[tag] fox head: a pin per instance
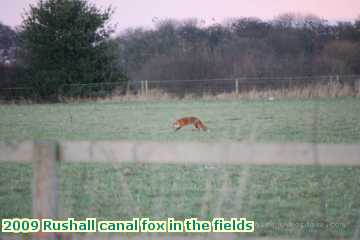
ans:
(176, 125)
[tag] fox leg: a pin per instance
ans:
(197, 126)
(200, 126)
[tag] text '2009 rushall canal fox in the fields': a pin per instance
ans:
(134, 225)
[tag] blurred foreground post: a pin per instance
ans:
(44, 194)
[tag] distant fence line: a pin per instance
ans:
(183, 87)
(43, 156)
(242, 84)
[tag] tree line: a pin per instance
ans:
(64, 42)
(289, 45)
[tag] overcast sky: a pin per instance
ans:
(132, 13)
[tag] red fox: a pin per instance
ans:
(187, 121)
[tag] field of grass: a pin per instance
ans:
(337, 121)
(284, 201)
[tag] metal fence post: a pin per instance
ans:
(44, 193)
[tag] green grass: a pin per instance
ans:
(338, 121)
(283, 201)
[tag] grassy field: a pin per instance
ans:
(284, 201)
(338, 121)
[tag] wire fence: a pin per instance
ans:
(348, 84)
(242, 84)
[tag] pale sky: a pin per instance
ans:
(133, 13)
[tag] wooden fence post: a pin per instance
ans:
(237, 86)
(146, 87)
(44, 193)
(128, 88)
(142, 87)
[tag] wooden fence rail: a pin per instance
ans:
(188, 153)
(43, 156)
